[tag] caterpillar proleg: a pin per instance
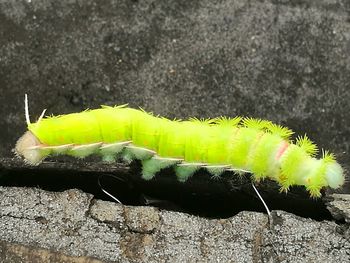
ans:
(257, 146)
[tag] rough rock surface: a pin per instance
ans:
(78, 227)
(339, 206)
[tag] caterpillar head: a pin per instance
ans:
(334, 175)
(28, 147)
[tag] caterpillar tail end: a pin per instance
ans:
(335, 175)
(28, 147)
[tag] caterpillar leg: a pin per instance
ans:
(81, 151)
(58, 150)
(314, 191)
(186, 170)
(216, 170)
(239, 172)
(110, 151)
(167, 162)
(133, 152)
(152, 166)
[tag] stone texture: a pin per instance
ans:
(296, 239)
(15, 253)
(55, 221)
(339, 206)
(71, 225)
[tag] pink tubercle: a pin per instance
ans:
(282, 148)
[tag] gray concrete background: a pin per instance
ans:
(67, 225)
(287, 61)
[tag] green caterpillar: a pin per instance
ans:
(241, 144)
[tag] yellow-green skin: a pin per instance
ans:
(259, 147)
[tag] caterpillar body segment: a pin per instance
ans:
(256, 146)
